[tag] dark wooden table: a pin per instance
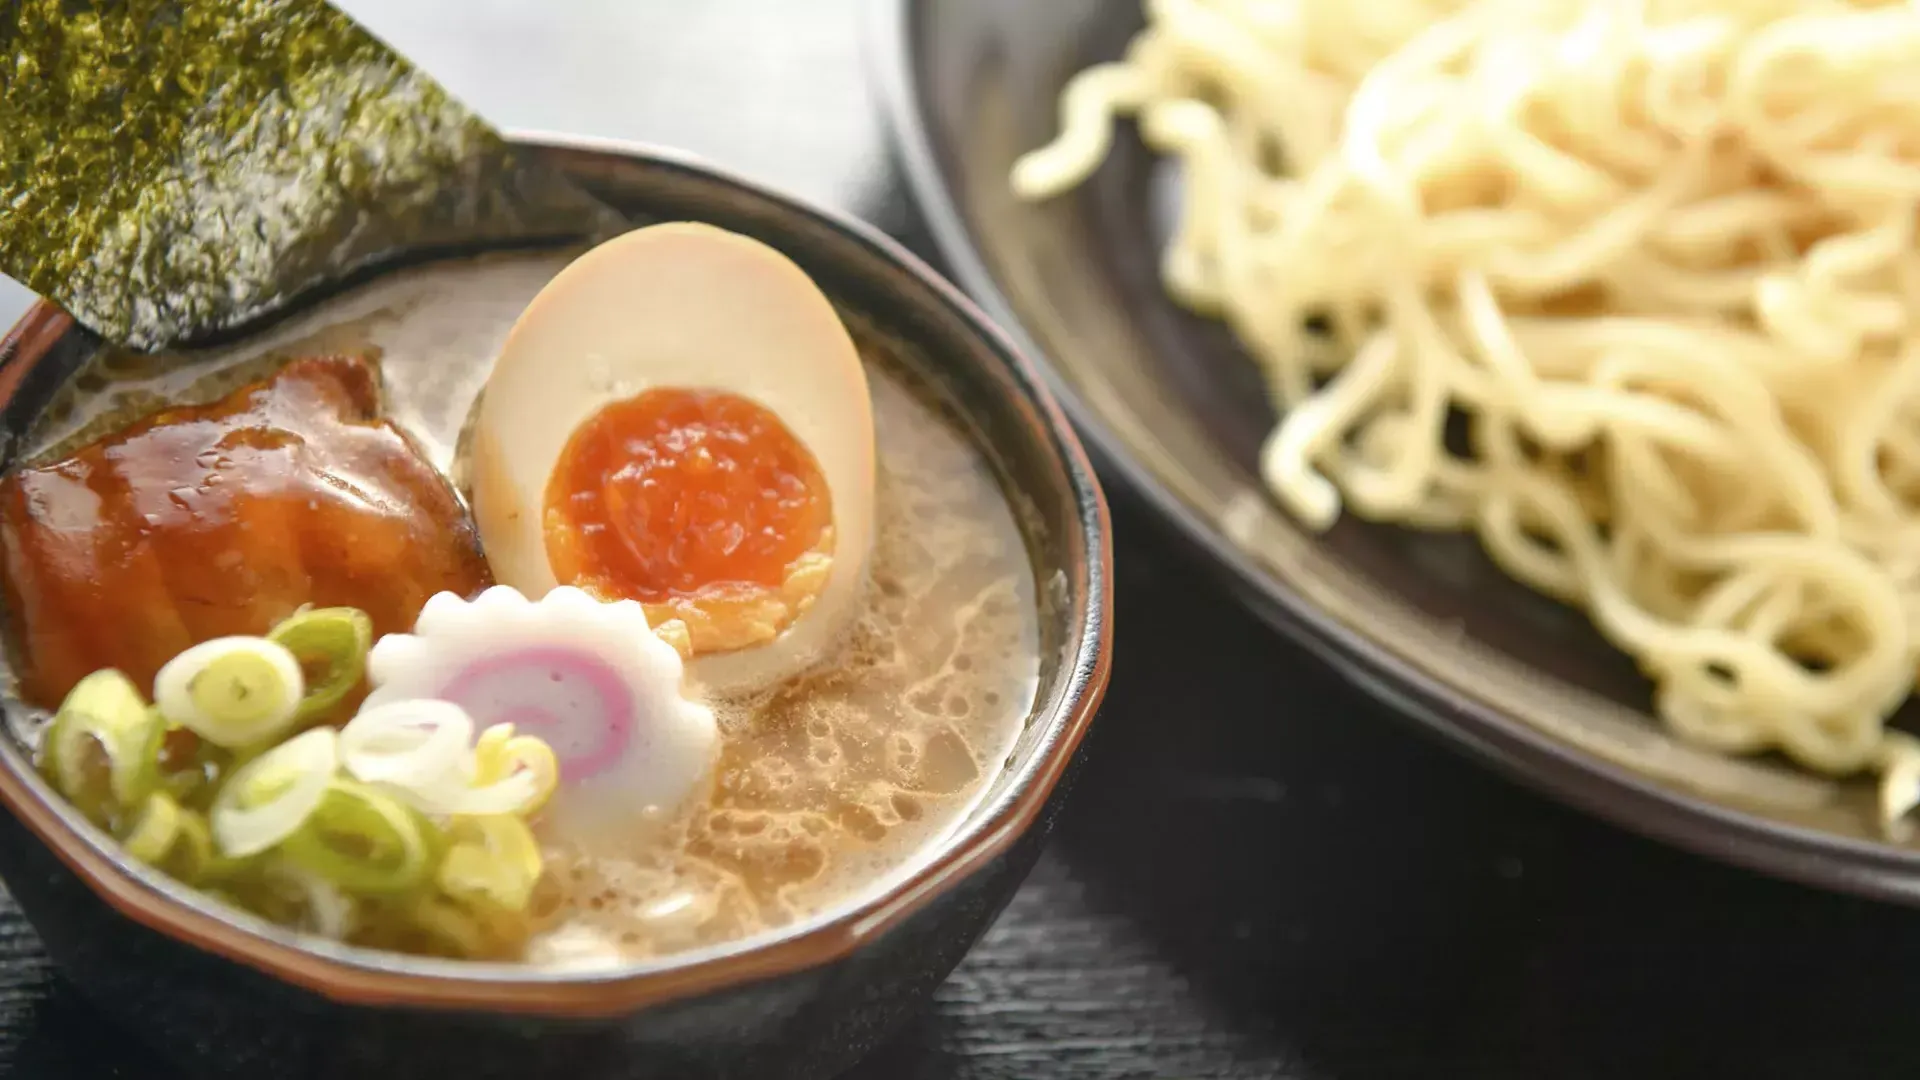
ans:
(1260, 875)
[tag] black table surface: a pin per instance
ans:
(1260, 874)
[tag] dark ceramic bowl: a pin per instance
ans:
(234, 995)
(1174, 411)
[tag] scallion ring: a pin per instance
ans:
(153, 831)
(193, 858)
(493, 859)
(506, 774)
(331, 645)
(459, 932)
(501, 755)
(323, 908)
(232, 691)
(270, 797)
(363, 841)
(104, 722)
(412, 746)
(458, 797)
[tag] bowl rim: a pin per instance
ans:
(370, 977)
(1510, 744)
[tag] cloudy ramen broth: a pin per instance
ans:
(827, 782)
(830, 780)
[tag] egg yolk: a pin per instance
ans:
(677, 497)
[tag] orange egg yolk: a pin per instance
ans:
(679, 495)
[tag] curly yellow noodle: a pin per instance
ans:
(1660, 254)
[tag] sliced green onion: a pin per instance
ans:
(512, 795)
(504, 775)
(457, 931)
(500, 754)
(103, 749)
(316, 905)
(363, 841)
(481, 932)
(491, 859)
(331, 645)
(154, 830)
(270, 797)
(194, 859)
(232, 691)
(189, 765)
(414, 746)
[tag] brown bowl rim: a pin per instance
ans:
(383, 980)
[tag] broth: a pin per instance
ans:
(829, 782)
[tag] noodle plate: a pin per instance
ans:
(1657, 257)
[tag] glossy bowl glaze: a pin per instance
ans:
(232, 995)
(1176, 413)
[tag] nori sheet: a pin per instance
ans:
(173, 169)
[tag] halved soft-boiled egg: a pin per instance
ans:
(680, 418)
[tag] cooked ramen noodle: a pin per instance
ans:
(1656, 257)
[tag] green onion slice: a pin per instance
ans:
(363, 841)
(232, 691)
(154, 830)
(456, 930)
(491, 859)
(102, 750)
(320, 907)
(194, 859)
(500, 756)
(416, 745)
(270, 797)
(331, 645)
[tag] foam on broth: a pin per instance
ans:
(829, 782)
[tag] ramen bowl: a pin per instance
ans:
(218, 991)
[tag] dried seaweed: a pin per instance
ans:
(173, 169)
